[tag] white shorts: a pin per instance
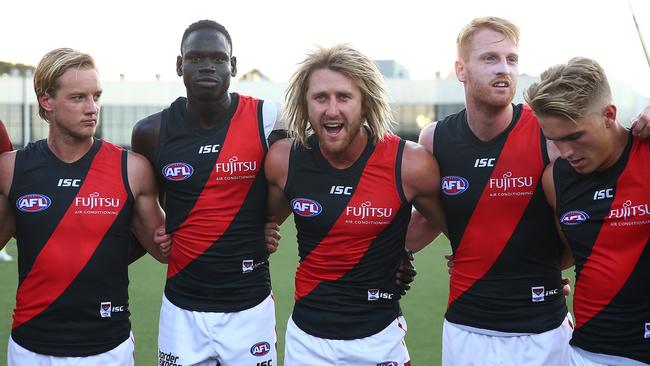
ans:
(192, 338)
(461, 347)
(580, 357)
(123, 354)
(386, 348)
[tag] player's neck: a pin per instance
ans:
(488, 122)
(619, 140)
(208, 113)
(69, 148)
(346, 158)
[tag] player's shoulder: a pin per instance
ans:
(281, 147)
(148, 124)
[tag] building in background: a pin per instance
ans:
(415, 103)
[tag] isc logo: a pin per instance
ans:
(260, 349)
(484, 162)
(306, 207)
(177, 171)
(604, 193)
(574, 218)
(206, 149)
(388, 363)
(33, 202)
(341, 190)
(453, 185)
(65, 182)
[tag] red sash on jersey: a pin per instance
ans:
(74, 240)
(345, 244)
(220, 200)
(495, 218)
(619, 244)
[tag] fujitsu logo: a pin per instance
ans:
(94, 200)
(234, 166)
(629, 210)
(365, 210)
(507, 181)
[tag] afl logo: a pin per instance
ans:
(574, 218)
(453, 185)
(260, 349)
(33, 202)
(177, 171)
(306, 207)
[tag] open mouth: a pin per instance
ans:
(333, 128)
(501, 84)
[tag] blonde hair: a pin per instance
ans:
(499, 25)
(569, 90)
(354, 65)
(54, 64)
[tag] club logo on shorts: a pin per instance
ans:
(261, 349)
(537, 293)
(306, 207)
(177, 171)
(453, 185)
(247, 266)
(646, 334)
(33, 202)
(388, 363)
(572, 218)
(373, 294)
(105, 309)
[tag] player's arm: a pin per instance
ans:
(421, 232)
(276, 169)
(7, 219)
(548, 186)
(421, 182)
(144, 141)
(148, 216)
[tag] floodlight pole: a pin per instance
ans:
(638, 31)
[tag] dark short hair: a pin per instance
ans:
(206, 24)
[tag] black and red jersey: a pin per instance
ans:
(605, 216)
(215, 200)
(73, 228)
(351, 226)
(507, 253)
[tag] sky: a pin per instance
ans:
(141, 38)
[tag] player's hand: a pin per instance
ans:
(163, 240)
(566, 286)
(272, 236)
(450, 262)
(641, 124)
(405, 273)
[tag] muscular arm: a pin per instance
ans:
(7, 219)
(549, 192)
(276, 168)
(421, 232)
(148, 216)
(421, 181)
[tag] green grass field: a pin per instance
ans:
(423, 306)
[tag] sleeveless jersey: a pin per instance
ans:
(351, 226)
(606, 218)
(506, 276)
(216, 207)
(73, 228)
